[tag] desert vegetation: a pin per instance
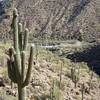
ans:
(47, 51)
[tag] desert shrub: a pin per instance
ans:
(4, 96)
(57, 94)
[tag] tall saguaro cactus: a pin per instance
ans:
(17, 57)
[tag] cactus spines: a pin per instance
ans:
(17, 57)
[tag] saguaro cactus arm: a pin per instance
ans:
(25, 39)
(23, 56)
(15, 29)
(11, 66)
(28, 75)
(20, 36)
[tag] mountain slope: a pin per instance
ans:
(61, 18)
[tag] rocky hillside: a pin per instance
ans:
(52, 77)
(58, 18)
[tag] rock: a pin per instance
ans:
(87, 89)
(99, 86)
(2, 82)
(2, 10)
(11, 92)
(77, 93)
(72, 90)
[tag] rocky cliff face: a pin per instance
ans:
(4, 18)
(2, 10)
(4, 4)
(61, 18)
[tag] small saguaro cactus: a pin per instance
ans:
(91, 80)
(60, 74)
(75, 74)
(17, 57)
(52, 91)
(83, 91)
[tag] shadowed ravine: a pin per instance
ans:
(90, 56)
